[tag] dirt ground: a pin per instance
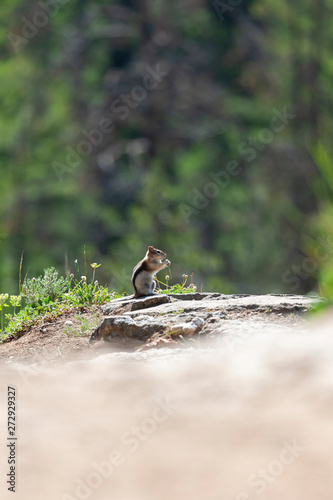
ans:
(54, 341)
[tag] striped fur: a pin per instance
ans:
(143, 274)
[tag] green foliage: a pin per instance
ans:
(178, 287)
(21, 321)
(319, 246)
(127, 192)
(3, 299)
(50, 295)
(82, 292)
(39, 292)
(86, 325)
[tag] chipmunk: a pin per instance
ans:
(143, 274)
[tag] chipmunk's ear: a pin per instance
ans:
(150, 248)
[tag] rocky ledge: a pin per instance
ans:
(161, 319)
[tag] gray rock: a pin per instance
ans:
(187, 315)
(131, 304)
(124, 327)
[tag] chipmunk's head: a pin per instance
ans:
(154, 253)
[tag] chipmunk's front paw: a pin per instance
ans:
(167, 262)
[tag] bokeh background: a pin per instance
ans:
(200, 127)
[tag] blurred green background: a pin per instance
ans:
(199, 127)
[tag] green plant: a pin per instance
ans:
(24, 319)
(318, 244)
(42, 290)
(86, 325)
(178, 287)
(81, 292)
(15, 301)
(51, 294)
(3, 299)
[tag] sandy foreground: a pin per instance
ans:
(219, 420)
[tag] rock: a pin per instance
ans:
(212, 314)
(120, 327)
(196, 296)
(131, 304)
(187, 329)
